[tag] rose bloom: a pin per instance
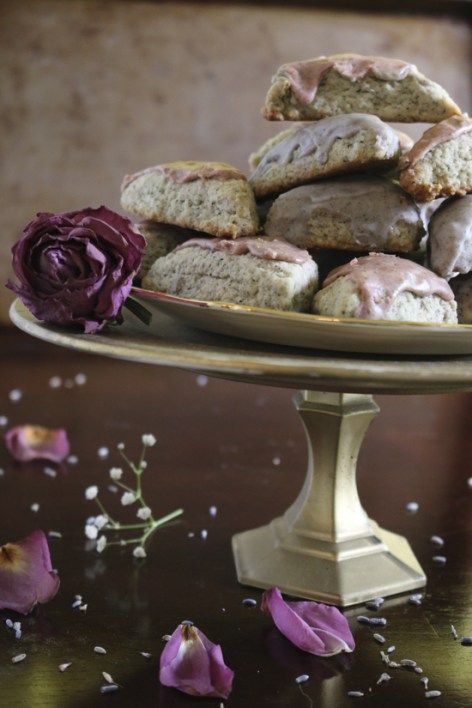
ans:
(77, 268)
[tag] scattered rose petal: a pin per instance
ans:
(194, 665)
(319, 629)
(26, 575)
(33, 442)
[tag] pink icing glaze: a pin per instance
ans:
(440, 133)
(379, 278)
(189, 171)
(305, 76)
(260, 247)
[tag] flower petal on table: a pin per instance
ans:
(191, 663)
(313, 627)
(33, 442)
(26, 575)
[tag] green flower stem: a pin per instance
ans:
(104, 512)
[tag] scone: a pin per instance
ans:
(440, 163)
(384, 287)
(206, 196)
(450, 237)
(160, 239)
(462, 288)
(351, 83)
(260, 272)
(349, 213)
(353, 142)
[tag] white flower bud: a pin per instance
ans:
(91, 532)
(116, 473)
(144, 513)
(128, 498)
(148, 440)
(139, 552)
(101, 544)
(91, 492)
(100, 521)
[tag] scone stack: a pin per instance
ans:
(342, 188)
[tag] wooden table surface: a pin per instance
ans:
(241, 448)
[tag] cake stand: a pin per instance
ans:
(324, 547)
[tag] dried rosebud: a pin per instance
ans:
(313, 627)
(194, 665)
(32, 442)
(76, 268)
(26, 575)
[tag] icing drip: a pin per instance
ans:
(440, 133)
(450, 234)
(370, 208)
(306, 76)
(260, 247)
(317, 139)
(379, 278)
(189, 171)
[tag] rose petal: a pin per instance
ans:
(191, 663)
(26, 576)
(33, 442)
(313, 627)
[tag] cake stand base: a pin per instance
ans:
(325, 547)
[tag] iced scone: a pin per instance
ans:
(260, 271)
(385, 287)
(462, 288)
(450, 237)
(160, 240)
(341, 144)
(391, 89)
(213, 197)
(440, 163)
(349, 213)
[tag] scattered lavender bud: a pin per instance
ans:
(377, 621)
(383, 678)
(202, 380)
(378, 638)
(425, 680)
(395, 665)
(109, 688)
(375, 603)
(249, 602)
(408, 663)
(439, 560)
(355, 694)
(64, 667)
(432, 694)
(302, 679)
(80, 379)
(55, 382)
(9, 623)
(466, 641)
(54, 534)
(416, 599)
(107, 677)
(453, 632)
(412, 507)
(99, 650)
(146, 654)
(418, 670)
(363, 620)
(437, 540)
(385, 658)
(15, 395)
(34, 507)
(50, 472)
(19, 657)
(204, 534)
(213, 510)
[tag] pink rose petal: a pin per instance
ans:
(33, 442)
(194, 665)
(313, 627)
(26, 576)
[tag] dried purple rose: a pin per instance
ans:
(313, 627)
(77, 268)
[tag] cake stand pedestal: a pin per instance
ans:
(324, 547)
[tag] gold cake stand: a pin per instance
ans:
(324, 547)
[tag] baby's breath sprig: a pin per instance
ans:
(132, 495)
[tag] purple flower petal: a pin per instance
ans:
(77, 268)
(194, 665)
(26, 576)
(32, 442)
(313, 627)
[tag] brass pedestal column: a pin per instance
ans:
(325, 547)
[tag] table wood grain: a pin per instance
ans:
(220, 444)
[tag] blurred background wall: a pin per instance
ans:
(91, 90)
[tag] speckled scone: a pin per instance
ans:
(198, 272)
(351, 83)
(462, 288)
(206, 196)
(440, 163)
(386, 287)
(354, 214)
(450, 237)
(160, 239)
(338, 145)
